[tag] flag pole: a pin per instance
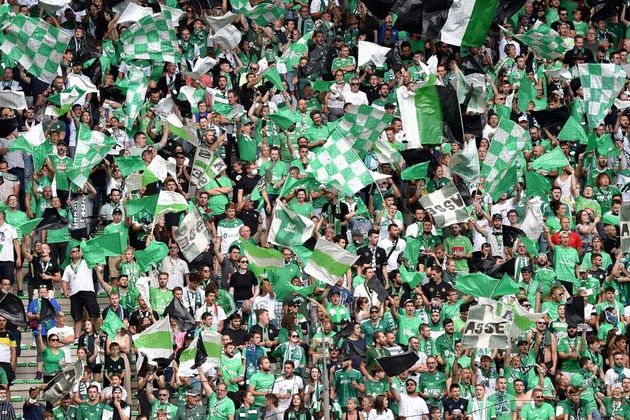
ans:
(326, 385)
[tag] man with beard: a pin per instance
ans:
(569, 350)
(93, 408)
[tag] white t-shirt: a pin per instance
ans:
(412, 407)
(63, 333)
(7, 235)
(176, 270)
(218, 314)
(614, 380)
(80, 280)
(287, 386)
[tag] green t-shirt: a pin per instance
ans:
(575, 411)
(90, 412)
(16, 218)
(51, 361)
(217, 203)
(566, 345)
(375, 388)
(459, 245)
(432, 383)
(261, 382)
(407, 328)
(231, 368)
(171, 409)
(220, 409)
(247, 148)
(338, 313)
(61, 166)
(343, 380)
(531, 412)
(504, 405)
(69, 414)
(278, 171)
(564, 260)
(56, 236)
(304, 209)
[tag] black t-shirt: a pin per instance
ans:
(242, 284)
(237, 336)
(247, 184)
(450, 405)
(121, 312)
(434, 290)
(113, 366)
(250, 219)
(377, 257)
(138, 315)
(38, 267)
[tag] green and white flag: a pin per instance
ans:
(112, 324)
(361, 126)
(522, 320)
(337, 164)
(192, 235)
(207, 345)
(291, 57)
(61, 102)
(601, 83)
(329, 261)
(289, 228)
(465, 163)
(152, 38)
(170, 202)
(484, 329)
(156, 171)
(206, 167)
(503, 182)
(421, 113)
(264, 13)
(468, 22)
(262, 257)
(36, 45)
(217, 22)
(156, 342)
(463, 85)
(136, 93)
(544, 41)
(33, 142)
(508, 140)
(92, 147)
(227, 37)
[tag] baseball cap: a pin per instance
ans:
(497, 216)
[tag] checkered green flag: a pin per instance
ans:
(36, 45)
(362, 125)
(152, 38)
(92, 147)
(508, 140)
(544, 41)
(601, 83)
(136, 92)
(337, 164)
(264, 13)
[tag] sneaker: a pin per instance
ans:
(20, 292)
(39, 375)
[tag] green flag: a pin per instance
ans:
(321, 86)
(329, 262)
(292, 183)
(112, 324)
(129, 164)
(417, 171)
(27, 227)
(536, 184)
(289, 228)
(573, 131)
(503, 182)
(526, 93)
(412, 278)
(607, 147)
(429, 112)
(273, 76)
(137, 205)
(152, 255)
(285, 118)
(552, 160)
(481, 285)
(262, 257)
(97, 249)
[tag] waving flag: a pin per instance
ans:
(362, 126)
(468, 22)
(544, 41)
(136, 92)
(205, 348)
(446, 205)
(289, 228)
(601, 83)
(329, 261)
(112, 324)
(92, 147)
(291, 57)
(170, 202)
(484, 329)
(152, 38)
(37, 45)
(481, 285)
(61, 102)
(508, 140)
(263, 257)
(156, 342)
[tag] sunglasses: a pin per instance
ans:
(244, 262)
(294, 336)
(373, 312)
(52, 340)
(354, 84)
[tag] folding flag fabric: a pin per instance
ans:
(465, 163)
(156, 342)
(51, 219)
(536, 184)
(217, 22)
(552, 160)
(601, 83)
(285, 118)
(97, 249)
(136, 93)
(133, 13)
(263, 257)
(156, 171)
(177, 311)
(468, 22)
(395, 365)
(206, 167)
(417, 171)
(62, 102)
(272, 75)
(509, 139)
(446, 205)
(481, 285)
(291, 184)
(201, 67)
(362, 125)
(129, 164)
(289, 228)
(151, 38)
(37, 45)
(12, 308)
(544, 41)
(92, 147)
(412, 278)
(137, 205)
(11, 99)
(484, 329)
(205, 350)
(574, 310)
(337, 164)
(264, 13)
(227, 37)
(170, 202)
(64, 382)
(329, 262)
(470, 90)
(292, 55)
(152, 255)
(112, 324)
(503, 182)
(192, 235)
(372, 53)
(572, 131)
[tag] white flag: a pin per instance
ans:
(372, 53)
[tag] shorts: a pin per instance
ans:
(84, 300)
(8, 369)
(7, 270)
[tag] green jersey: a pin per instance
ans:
(375, 388)
(261, 382)
(565, 259)
(60, 414)
(278, 171)
(90, 412)
(61, 165)
(575, 411)
(458, 245)
(231, 368)
(617, 408)
(446, 345)
(407, 328)
(343, 381)
(16, 218)
(217, 202)
(569, 345)
(531, 412)
(433, 384)
(368, 328)
(198, 412)
(247, 147)
(504, 405)
(220, 409)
